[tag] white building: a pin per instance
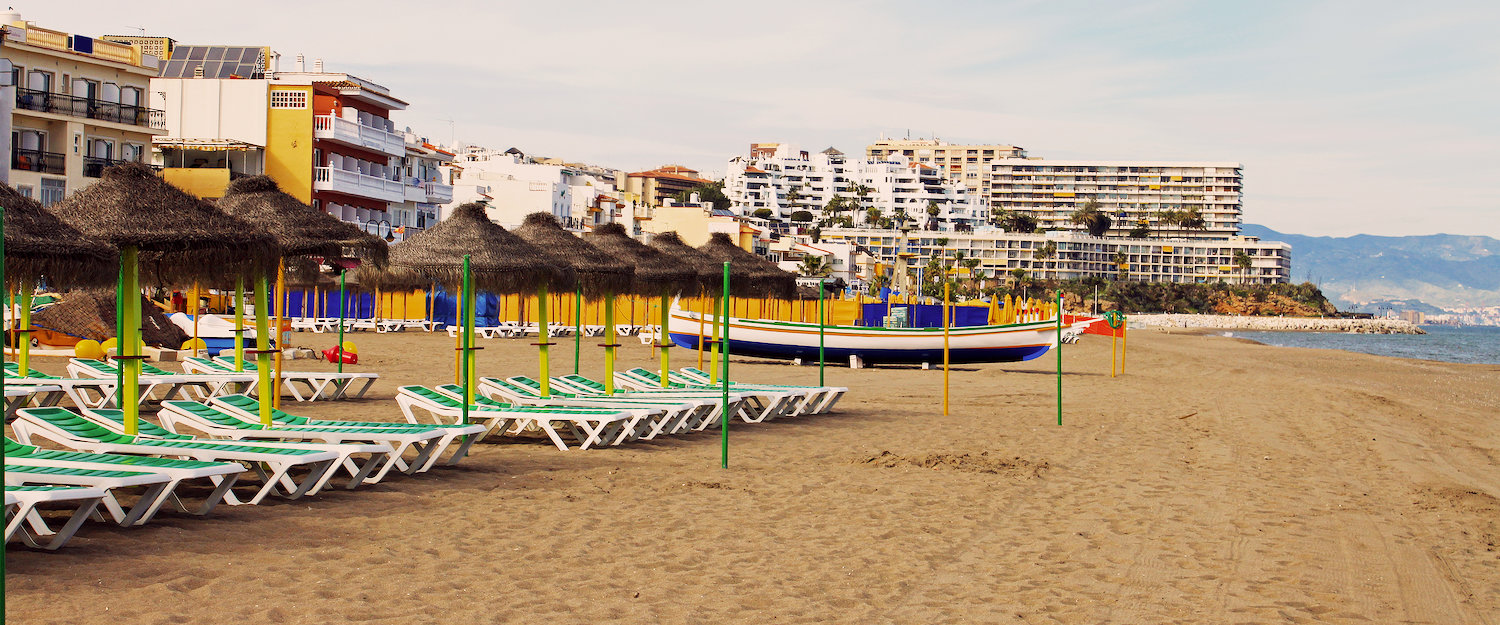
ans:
(514, 186)
(426, 188)
(966, 163)
(784, 180)
(1132, 193)
(1071, 255)
(844, 259)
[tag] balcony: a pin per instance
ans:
(350, 132)
(60, 104)
(94, 166)
(355, 183)
(438, 193)
(38, 161)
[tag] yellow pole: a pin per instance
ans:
(23, 335)
(609, 344)
(263, 348)
(713, 349)
(664, 340)
(458, 338)
(196, 314)
(700, 335)
(543, 340)
(1114, 344)
(947, 308)
(281, 347)
(239, 324)
(126, 340)
(1124, 343)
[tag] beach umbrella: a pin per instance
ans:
(39, 246)
(710, 278)
(599, 276)
(301, 231)
(468, 252)
(166, 235)
(656, 273)
(751, 275)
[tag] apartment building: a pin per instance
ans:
(785, 180)
(75, 105)
(325, 137)
(1133, 193)
(514, 185)
(422, 171)
(1070, 255)
(967, 163)
(658, 185)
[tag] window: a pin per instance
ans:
(53, 191)
(286, 99)
(24, 190)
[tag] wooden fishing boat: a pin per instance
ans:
(792, 340)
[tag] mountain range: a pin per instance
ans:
(1366, 272)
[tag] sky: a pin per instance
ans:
(1349, 117)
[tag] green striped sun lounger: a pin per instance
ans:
(20, 510)
(221, 475)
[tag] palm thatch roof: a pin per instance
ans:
(300, 229)
(601, 274)
(500, 262)
(90, 314)
(391, 278)
(710, 273)
(182, 239)
(764, 278)
(655, 271)
(40, 246)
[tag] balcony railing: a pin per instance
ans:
(61, 104)
(38, 161)
(438, 193)
(353, 133)
(355, 183)
(94, 166)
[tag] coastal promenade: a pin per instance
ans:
(1306, 324)
(1216, 481)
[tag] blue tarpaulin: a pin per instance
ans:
(927, 315)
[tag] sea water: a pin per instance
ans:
(1473, 344)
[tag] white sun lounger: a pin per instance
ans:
(588, 427)
(221, 475)
(20, 508)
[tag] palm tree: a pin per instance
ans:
(1122, 265)
(1242, 261)
(1019, 222)
(872, 215)
(814, 267)
(1091, 218)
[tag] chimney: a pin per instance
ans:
(300, 59)
(318, 65)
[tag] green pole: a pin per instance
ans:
(821, 319)
(2, 392)
(468, 300)
(1059, 356)
(724, 376)
(665, 342)
(263, 348)
(343, 300)
(239, 324)
(577, 325)
(23, 353)
(119, 323)
(544, 340)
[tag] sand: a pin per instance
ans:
(1218, 481)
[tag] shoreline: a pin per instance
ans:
(1276, 324)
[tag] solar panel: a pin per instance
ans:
(216, 61)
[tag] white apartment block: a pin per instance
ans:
(966, 163)
(513, 186)
(1069, 255)
(1132, 193)
(421, 171)
(785, 180)
(74, 104)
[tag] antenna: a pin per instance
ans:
(452, 141)
(142, 29)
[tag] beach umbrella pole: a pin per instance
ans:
(239, 324)
(23, 350)
(471, 362)
(721, 309)
(466, 337)
(701, 314)
(343, 303)
(664, 341)
(127, 338)
(724, 382)
(282, 303)
(821, 320)
(263, 347)
(577, 325)
(544, 340)
(609, 343)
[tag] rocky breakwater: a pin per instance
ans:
(1276, 324)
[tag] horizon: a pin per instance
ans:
(1310, 98)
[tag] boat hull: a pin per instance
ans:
(788, 340)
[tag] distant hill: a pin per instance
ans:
(1362, 271)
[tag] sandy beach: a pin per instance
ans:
(1218, 481)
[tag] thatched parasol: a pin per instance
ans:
(39, 246)
(656, 273)
(181, 238)
(764, 278)
(710, 272)
(466, 252)
(500, 261)
(178, 238)
(299, 229)
(600, 274)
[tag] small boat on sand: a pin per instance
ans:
(791, 340)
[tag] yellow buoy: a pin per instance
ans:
(349, 348)
(108, 344)
(194, 344)
(89, 349)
